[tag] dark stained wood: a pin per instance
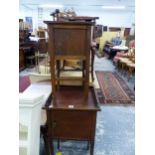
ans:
(93, 51)
(69, 40)
(73, 110)
(73, 95)
(70, 16)
(29, 49)
(42, 46)
(78, 18)
(73, 124)
(22, 35)
(114, 29)
(41, 34)
(78, 123)
(68, 22)
(21, 59)
(126, 32)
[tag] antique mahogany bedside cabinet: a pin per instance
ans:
(73, 109)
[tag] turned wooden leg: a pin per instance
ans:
(92, 64)
(58, 144)
(88, 145)
(129, 73)
(50, 146)
(48, 151)
(92, 147)
(58, 73)
(122, 68)
(44, 133)
(118, 65)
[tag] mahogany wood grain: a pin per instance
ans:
(69, 40)
(77, 123)
(73, 110)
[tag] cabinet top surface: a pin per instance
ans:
(69, 22)
(72, 98)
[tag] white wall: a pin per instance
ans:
(107, 18)
(112, 18)
(25, 12)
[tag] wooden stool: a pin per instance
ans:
(131, 69)
(123, 63)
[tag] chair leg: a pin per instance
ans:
(50, 148)
(92, 147)
(88, 145)
(44, 133)
(92, 74)
(122, 68)
(130, 71)
(118, 66)
(92, 64)
(58, 144)
(58, 73)
(37, 64)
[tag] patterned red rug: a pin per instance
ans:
(113, 89)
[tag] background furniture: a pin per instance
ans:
(125, 33)
(129, 38)
(131, 69)
(42, 52)
(23, 35)
(41, 33)
(109, 49)
(106, 36)
(126, 62)
(121, 54)
(29, 48)
(21, 59)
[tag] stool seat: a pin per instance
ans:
(131, 65)
(126, 62)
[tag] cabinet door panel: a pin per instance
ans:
(73, 124)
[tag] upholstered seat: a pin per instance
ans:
(122, 54)
(119, 55)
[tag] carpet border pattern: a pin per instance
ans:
(100, 94)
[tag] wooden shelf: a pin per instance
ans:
(72, 95)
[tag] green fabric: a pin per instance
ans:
(129, 38)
